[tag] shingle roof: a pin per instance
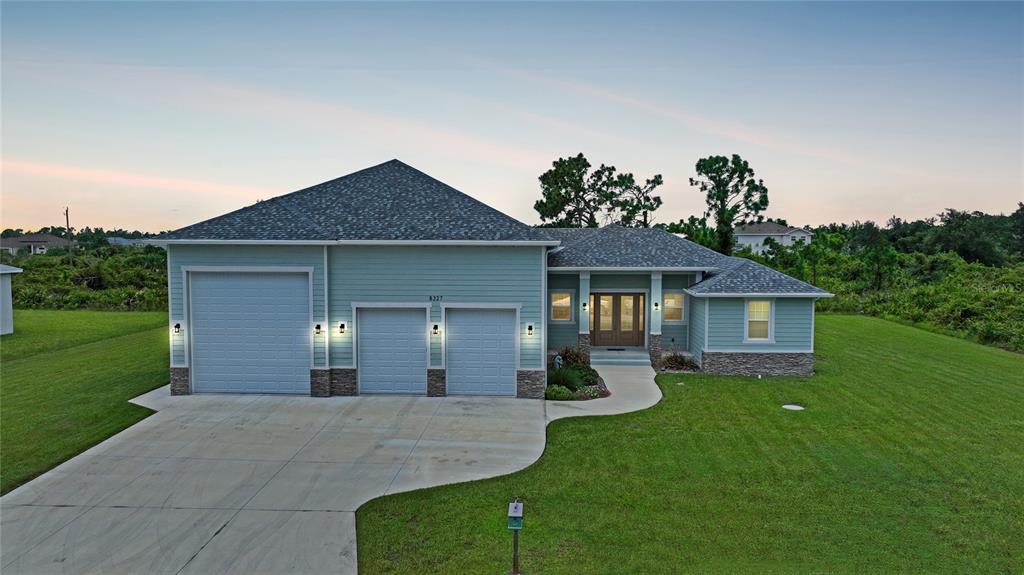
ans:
(766, 228)
(390, 201)
(48, 240)
(614, 246)
(743, 276)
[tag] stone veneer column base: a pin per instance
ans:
(584, 345)
(320, 382)
(436, 384)
(530, 384)
(179, 381)
(725, 363)
(343, 381)
(654, 348)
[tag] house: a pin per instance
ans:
(6, 308)
(33, 243)
(128, 242)
(754, 235)
(389, 281)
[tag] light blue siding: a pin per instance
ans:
(241, 256)
(794, 320)
(561, 334)
(679, 332)
(697, 337)
(456, 274)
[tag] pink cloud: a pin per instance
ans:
(126, 179)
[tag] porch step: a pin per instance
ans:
(625, 357)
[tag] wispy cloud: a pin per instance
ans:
(125, 179)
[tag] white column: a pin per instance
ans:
(583, 303)
(656, 303)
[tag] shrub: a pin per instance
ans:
(678, 361)
(557, 393)
(588, 374)
(572, 356)
(566, 377)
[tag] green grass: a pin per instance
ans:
(65, 381)
(40, 331)
(908, 459)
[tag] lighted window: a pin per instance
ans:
(673, 304)
(759, 317)
(561, 306)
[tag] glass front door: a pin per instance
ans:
(617, 319)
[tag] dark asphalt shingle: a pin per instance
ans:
(390, 201)
(614, 246)
(743, 276)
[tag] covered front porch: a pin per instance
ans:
(621, 315)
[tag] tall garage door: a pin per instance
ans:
(392, 350)
(481, 351)
(250, 332)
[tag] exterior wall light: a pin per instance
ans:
(341, 327)
(584, 306)
(317, 329)
(177, 328)
(436, 330)
(656, 306)
(529, 329)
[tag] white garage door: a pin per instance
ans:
(250, 332)
(481, 351)
(392, 350)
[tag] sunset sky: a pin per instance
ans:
(153, 116)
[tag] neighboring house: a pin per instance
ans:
(6, 308)
(34, 243)
(117, 241)
(754, 235)
(389, 281)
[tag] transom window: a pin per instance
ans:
(673, 302)
(561, 306)
(759, 318)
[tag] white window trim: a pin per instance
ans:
(771, 322)
(682, 294)
(572, 306)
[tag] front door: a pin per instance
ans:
(618, 319)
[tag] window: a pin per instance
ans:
(561, 306)
(759, 318)
(673, 302)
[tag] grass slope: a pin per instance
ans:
(909, 458)
(56, 403)
(40, 331)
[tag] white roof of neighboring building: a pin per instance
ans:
(5, 269)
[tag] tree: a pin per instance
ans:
(634, 204)
(875, 251)
(732, 195)
(573, 196)
(696, 230)
(1017, 229)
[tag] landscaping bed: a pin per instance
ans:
(570, 378)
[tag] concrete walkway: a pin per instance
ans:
(260, 484)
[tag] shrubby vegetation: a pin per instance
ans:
(104, 278)
(962, 273)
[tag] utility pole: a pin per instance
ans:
(71, 247)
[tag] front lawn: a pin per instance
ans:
(908, 458)
(65, 381)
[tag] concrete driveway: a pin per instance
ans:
(253, 484)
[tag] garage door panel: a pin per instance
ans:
(392, 350)
(481, 351)
(250, 332)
